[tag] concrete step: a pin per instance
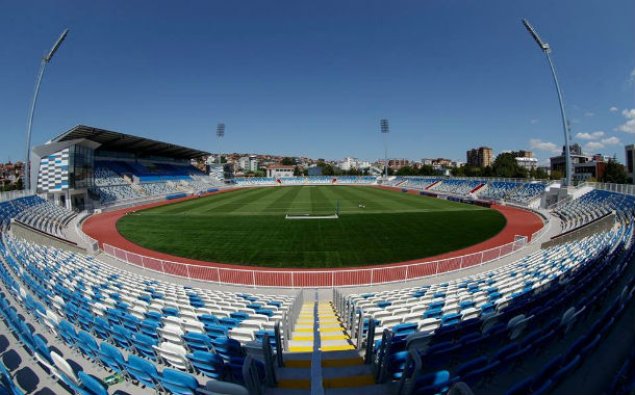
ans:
(377, 389)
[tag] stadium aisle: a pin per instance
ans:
(302, 338)
(341, 369)
(333, 337)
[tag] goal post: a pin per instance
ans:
(310, 216)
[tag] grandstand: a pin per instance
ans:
(87, 167)
(535, 317)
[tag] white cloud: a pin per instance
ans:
(629, 125)
(589, 114)
(590, 136)
(614, 109)
(544, 146)
(534, 121)
(593, 145)
(611, 141)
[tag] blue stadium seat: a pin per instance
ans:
(178, 383)
(432, 383)
(90, 385)
(144, 346)
(142, 371)
(209, 364)
(87, 345)
(111, 357)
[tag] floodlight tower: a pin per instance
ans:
(45, 60)
(546, 49)
(383, 125)
(220, 133)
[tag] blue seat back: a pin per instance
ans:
(91, 384)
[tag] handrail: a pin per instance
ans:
(11, 195)
(291, 316)
(370, 340)
(316, 278)
(626, 189)
(278, 335)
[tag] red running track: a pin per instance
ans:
(102, 227)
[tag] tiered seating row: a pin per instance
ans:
(488, 345)
(429, 308)
(456, 187)
(47, 217)
(325, 180)
(128, 364)
(593, 205)
(154, 180)
(10, 209)
(164, 323)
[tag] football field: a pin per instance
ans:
(249, 226)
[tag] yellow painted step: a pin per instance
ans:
(331, 324)
(298, 363)
(295, 383)
(343, 347)
(304, 338)
(333, 329)
(303, 329)
(300, 348)
(351, 381)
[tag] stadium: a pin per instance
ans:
(135, 261)
(514, 291)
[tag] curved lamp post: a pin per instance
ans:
(45, 60)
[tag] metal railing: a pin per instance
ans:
(10, 195)
(626, 189)
(290, 318)
(316, 278)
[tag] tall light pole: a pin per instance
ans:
(383, 125)
(45, 60)
(220, 133)
(546, 49)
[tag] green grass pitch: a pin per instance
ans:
(248, 226)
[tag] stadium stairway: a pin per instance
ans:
(478, 187)
(434, 184)
(322, 359)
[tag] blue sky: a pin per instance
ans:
(314, 78)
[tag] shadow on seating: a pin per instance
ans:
(27, 379)
(4, 343)
(12, 360)
(45, 391)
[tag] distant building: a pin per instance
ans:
(280, 171)
(397, 164)
(243, 163)
(480, 157)
(630, 161)
(527, 162)
(353, 163)
(574, 149)
(457, 163)
(525, 154)
(591, 169)
(577, 157)
(253, 163)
